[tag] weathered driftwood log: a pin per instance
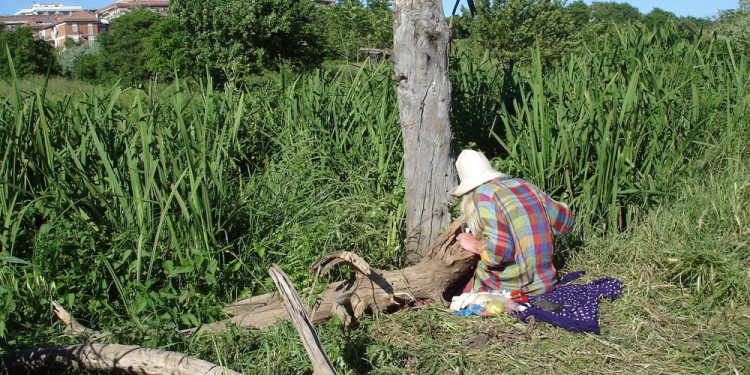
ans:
(127, 359)
(297, 312)
(440, 274)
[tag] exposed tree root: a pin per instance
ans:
(436, 277)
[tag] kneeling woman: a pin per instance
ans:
(514, 222)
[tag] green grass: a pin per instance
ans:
(145, 211)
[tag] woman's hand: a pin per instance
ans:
(469, 243)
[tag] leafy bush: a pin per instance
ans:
(29, 55)
(349, 26)
(509, 28)
(235, 38)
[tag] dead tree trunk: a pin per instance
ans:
(420, 47)
(444, 270)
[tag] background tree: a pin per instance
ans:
(579, 13)
(234, 38)
(73, 54)
(618, 13)
(658, 18)
(510, 28)
(350, 26)
(735, 25)
(30, 55)
(125, 53)
(165, 49)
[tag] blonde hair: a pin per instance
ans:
(470, 214)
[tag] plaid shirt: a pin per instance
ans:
(518, 221)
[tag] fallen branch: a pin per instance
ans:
(296, 311)
(128, 359)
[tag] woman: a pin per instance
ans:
(513, 222)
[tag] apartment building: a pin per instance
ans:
(78, 27)
(55, 22)
(50, 9)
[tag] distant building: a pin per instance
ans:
(11, 22)
(56, 23)
(78, 27)
(120, 7)
(49, 9)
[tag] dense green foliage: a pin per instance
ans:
(508, 28)
(619, 13)
(30, 55)
(349, 26)
(234, 37)
(658, 18)
(125, 51)
(233, 40)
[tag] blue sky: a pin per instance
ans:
(696, 8)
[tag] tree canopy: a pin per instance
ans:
(30, 55)
(234, 38)
(617, 12)
(658, 18)
(125, 47)
(509, 28)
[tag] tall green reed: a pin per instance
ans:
(607, 129)
(152, 209)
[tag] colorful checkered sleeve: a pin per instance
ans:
(559, 214)
(495, 232)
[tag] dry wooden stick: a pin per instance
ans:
(297, 312)
(128, 359)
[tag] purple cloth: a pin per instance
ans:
(580, 303)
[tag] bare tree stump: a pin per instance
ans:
(444, 270)
(420, 62)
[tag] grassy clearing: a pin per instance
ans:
(665, 322)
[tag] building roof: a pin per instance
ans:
(127, 4)
(49, 8)
(79, 17)
(20, 20)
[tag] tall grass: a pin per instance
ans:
(155, 209)
(609, 128)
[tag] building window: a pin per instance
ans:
(91, 29)
(75, 27)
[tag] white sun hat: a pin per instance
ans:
(473, 170)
